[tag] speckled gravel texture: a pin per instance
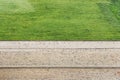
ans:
(60, 58)
(59, 74)
(44, 60)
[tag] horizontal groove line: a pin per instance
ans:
(59, 48)
(59, 67)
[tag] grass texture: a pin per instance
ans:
(59, 20)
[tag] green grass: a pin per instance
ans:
(59, 20)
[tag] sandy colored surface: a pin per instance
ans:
(46, 60)
(60, 58)
(59, 74)
(58, 44)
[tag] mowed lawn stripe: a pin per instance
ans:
(59, 20)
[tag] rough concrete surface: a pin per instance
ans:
(58, 44)
(59, 74)
(59, 60)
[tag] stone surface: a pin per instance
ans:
(60, 60)
(59, 74)
(58, 44)
(59, 57)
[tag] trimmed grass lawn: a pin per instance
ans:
(59, 20)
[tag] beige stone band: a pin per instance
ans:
(49, 54)
(58, 44)
(61, 60)
(59, 74)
